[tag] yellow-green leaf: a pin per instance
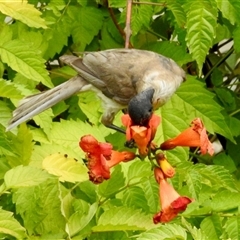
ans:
(24, 12)
(67, 169)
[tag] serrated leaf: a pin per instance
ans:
(225, 200)
(80, 218)
(212, 226)
(6, 147)
(134, 197)
(25, 61)
(44, 120)
(10, 226)
(24, 12)
(68, 133)
(112, 185)
(24, 176)
(67, 169)
(229, 9)
(151, 193)
(178, 12)
(22, 146)
(171, 50)
(168, 231)
(232, 227)
(195, 232)
(193, 180)
(200, 103)
(83, 32)
(5, 113)
(201, 27)
(138, 170)
(60, 30)
(40, 208)
(123, 218)
(218, 176)
(9, 90)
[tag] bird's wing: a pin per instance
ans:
(121, 73)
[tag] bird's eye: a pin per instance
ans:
(150, 110)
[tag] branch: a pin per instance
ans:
(127, 29)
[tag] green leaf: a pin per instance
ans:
(10, 226)
(225, 200)
(200, 104)
(195, 232)
(201, 27)
(67, 169)
(236, 38)
(9, 90)
(22, 59)
(163, 232)
(81, 217)
(170, 50)
(24, 176)
(22, 147)
(112, 185)
(139, 169)
(83, 32)
(218, 176)
(60, 30)
(151, 193)
(123, 219)
(5, 113)
(232, 227)
(194, 182)
(226, 161)
(178, 12)
(40, 208)
(229, 9)
(68, 133)
(133, 197)
(117, 3)
(24, 12)
(6, 147)
(212, 226)
(44, 120)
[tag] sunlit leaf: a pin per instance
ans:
(21, 10)
(67, 169)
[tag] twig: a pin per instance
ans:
(127, 29)
(116, 23)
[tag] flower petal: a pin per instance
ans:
(88, 143)
(140, 136)
(118, 157)
(127, 122)
(98, 168)
(166, 167)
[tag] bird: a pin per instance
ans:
(133, 79)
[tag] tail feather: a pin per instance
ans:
(35, 104)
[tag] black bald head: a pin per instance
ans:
(140, 107)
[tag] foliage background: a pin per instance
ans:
(47, 196)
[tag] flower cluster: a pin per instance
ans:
(142, 135)
(101, 157)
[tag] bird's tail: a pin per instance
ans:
(35, 104)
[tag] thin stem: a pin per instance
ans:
(218, 63)
(235, 112)
(127, 29)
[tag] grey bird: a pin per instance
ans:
(142, 79)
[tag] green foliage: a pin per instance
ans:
(44, 190)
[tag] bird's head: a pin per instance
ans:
(140, 107)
